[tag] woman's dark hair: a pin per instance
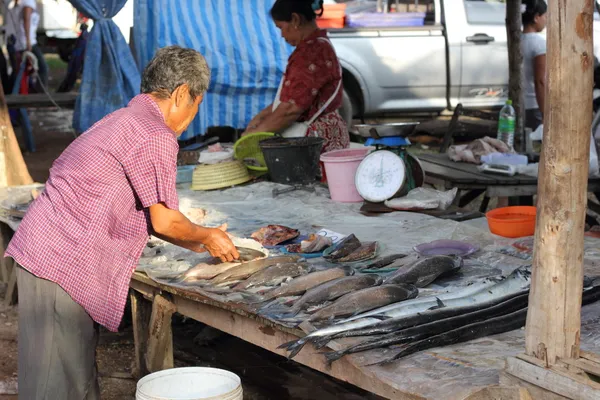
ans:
(532, 9)
(283, 9)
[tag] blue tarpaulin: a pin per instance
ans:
(242, 46)
(110, 76)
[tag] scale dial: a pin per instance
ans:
(380, 176)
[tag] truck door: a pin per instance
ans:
(484, 67)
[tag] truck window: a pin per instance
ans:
(413, 12)
(487, 12)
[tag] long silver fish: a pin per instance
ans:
(487, 290)
(275, 275)
(301, 284)
(364, 300)
(244, 270)
(424, 271)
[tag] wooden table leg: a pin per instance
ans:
(159, 355)
(11, 291)
(140, 313)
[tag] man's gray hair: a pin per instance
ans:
(172, 67)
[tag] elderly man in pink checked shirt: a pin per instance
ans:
(81, 239)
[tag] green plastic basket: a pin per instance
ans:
(247, 147)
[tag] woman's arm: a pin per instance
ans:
(280, 119)
(539, 74)
(27, 11)
(260, 116)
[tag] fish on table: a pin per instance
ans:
(486, 290)
(272, 235)
(425, 270)
(365, 300)
(244, 270)
(420, 332)
(300, 285)
(344, 248)
(213, 267)
(275, 275)
(366, 251)
(334, 289)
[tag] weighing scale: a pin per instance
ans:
(389, 171)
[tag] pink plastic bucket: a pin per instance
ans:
(340, 168)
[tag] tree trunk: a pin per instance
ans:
(554, 317)
(515, 68)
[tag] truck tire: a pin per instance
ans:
(347, 109)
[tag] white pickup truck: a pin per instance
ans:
(458, 55)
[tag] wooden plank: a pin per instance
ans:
(587, 366)
(159, 354)
(443, 160)
(10, 297)
(453, 176)
(552, 380)
(536, 392)
(41, 100)
(554, 312)
(502, 393)
(590, 356)
(140, 311)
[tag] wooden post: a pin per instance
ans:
(13, 171)
(515, 68)
(140, 314)
(159, 355)
(554, 316)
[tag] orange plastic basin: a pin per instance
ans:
(512, 222)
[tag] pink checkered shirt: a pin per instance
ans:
(87, 230)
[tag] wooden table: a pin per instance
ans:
(440, 170)
(153, 336)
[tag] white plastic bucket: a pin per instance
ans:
(190, 383)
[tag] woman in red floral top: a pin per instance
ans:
(312, 78)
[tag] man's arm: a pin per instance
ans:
(176, 228)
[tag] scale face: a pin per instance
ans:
(380, 176)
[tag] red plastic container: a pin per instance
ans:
(512, 222)
(334, 16)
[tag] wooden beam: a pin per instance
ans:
(159, 354)
(515, 67)
(140, 312)
(66, 100)
(554, 379)
(13, 170)
(554, 314)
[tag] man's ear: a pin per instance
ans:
(181, 95)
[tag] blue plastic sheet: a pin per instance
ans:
(240, 42)
(110, 76)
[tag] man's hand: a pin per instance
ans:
(218, 244)
(174, 227)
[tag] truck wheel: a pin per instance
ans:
(347, 109)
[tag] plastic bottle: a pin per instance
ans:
(506, 124)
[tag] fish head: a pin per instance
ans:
(348, 270)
